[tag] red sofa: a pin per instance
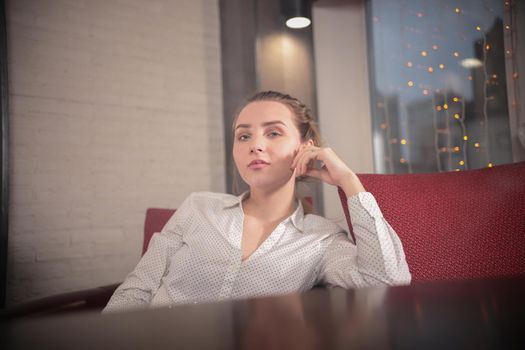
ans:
(454, 225)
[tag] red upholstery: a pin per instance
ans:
(456, 225)
(156, 218)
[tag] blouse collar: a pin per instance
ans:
(297, 217)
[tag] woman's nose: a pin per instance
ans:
(256, 146)
(255, 149)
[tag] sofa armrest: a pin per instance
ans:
(94, 299)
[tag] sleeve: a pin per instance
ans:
(376, 258)
(141, 284)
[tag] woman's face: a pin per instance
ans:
(266, 140)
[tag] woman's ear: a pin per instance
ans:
(309, 142)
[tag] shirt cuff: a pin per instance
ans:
(364, 201)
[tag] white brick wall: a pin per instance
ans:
(115, 106)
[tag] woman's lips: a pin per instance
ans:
(258, 164)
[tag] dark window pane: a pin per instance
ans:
(439, 92)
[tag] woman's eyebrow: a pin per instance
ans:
(274, 122)
(243, 126)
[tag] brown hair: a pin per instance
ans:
(304, 122)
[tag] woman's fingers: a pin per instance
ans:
(296, 162)
(333, 168)
(298, 156)
(333, 171)
(303, 158)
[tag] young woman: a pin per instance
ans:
(218, 246)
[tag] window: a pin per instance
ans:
(439, 84)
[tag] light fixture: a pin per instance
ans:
(471, 62)
(298, 13)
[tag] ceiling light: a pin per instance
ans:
(298, 13)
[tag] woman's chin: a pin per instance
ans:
(260, 184)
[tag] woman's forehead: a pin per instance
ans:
(263, 111)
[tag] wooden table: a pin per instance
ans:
(486, 314)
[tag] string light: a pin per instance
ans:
(490, 165)
(485, 105)
(450, 103)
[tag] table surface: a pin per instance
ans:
(488, 314)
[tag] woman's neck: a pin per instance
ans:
(272, 205)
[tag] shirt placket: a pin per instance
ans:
(232, 270)
(231, 275)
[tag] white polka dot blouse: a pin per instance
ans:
(197, 256)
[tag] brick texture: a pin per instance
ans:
(115, 106)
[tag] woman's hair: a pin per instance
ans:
(304, 122)
(303, 116)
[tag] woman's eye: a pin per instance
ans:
(274, 134)
(243, 137)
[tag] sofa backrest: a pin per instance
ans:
(156, 218)
(456, 225)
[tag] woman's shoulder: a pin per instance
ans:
(317, 224)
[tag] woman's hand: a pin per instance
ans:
(333, 170)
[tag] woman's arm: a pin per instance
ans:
(377, 256)
(142, 283)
